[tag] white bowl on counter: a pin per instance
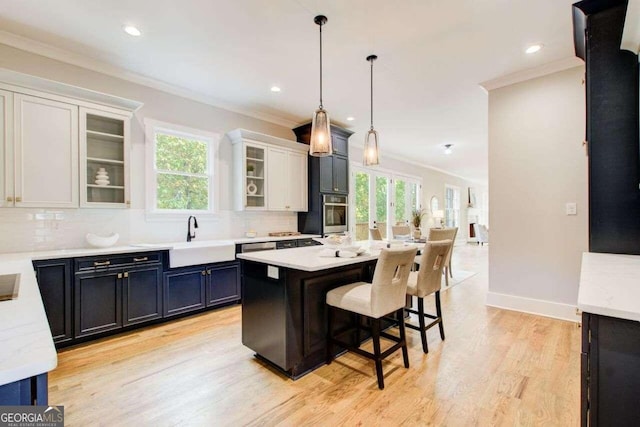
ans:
(98, 241)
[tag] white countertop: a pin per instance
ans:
(26, 347)
(610, 285)
(309, 259)
(260, 239)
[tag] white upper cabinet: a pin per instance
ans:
(6, 148)
(45, 153)
(269, 173)
(285, 182)
(62, 146)
(104, 159)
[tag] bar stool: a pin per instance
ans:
(386, 295)
(426, 281)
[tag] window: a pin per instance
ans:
(381, 199)
(179, 168)
(451, 206)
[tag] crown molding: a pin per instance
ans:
(531, 73)
(102, 67)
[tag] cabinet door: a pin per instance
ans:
(104, 156)
(326, 174)
(223, 284)
(277, 180)
(184, 290)
(340, 174)
(6, 148)
(98, 302)
(54, 280)
(253, 175)
(46, 153)
(340, 145)
(298, 182)
(142, 295)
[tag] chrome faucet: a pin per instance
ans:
(191, 234)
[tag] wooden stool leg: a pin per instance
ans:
(439, 314)
(358, 327)
(375, 335)
(446, 276)
(330, 315)
(423, 329)
(403, 337)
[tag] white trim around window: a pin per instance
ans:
(152, 128)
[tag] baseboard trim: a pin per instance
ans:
(533, 306)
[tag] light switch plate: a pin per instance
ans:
(572, 209)
(273, 272)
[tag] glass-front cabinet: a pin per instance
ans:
(104, 152)
(254, 176)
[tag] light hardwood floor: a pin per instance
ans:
(496, 367)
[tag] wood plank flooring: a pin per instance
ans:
(496, 368)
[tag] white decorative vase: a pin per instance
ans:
(102, 177)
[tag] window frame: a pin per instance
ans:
(152, 127)
(456, 209)
(391, 176)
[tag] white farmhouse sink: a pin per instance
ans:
(205, 252)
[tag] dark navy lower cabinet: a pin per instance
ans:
(26, 392)
(117, 292)
(142, 295)
(194, 288)
(55, 282)
(223, 284)
(98, 302)
(184, 290)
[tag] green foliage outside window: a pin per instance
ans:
(401, 201)
(362, 198)
(182, 178)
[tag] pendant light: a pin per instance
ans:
(371, 138)
(320, 143)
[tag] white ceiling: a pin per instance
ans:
(432, 56)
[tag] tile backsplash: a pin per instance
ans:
(23, 230)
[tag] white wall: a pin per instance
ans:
(536, 165)
(40, 229)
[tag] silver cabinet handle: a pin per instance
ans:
(101, 264)
(144, 258)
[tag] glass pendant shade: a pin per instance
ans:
(320, 144)
(371, 148)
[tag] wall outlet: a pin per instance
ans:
(571, 209)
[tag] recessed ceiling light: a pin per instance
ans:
(447, 149)
(131, 30)
(534, 48)
(275, 89)
(350, 119)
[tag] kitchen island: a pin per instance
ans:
(284, 314)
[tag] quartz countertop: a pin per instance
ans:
(610, 285)
(309, 259)
(26, 346)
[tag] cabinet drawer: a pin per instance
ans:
(307, 242)
(110, 261)
(286, 244)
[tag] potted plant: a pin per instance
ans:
(416, 220)
(250, 169)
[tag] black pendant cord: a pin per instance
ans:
(371, 94)
(320, 66)
(372, 58)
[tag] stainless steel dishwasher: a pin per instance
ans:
(255, 247)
